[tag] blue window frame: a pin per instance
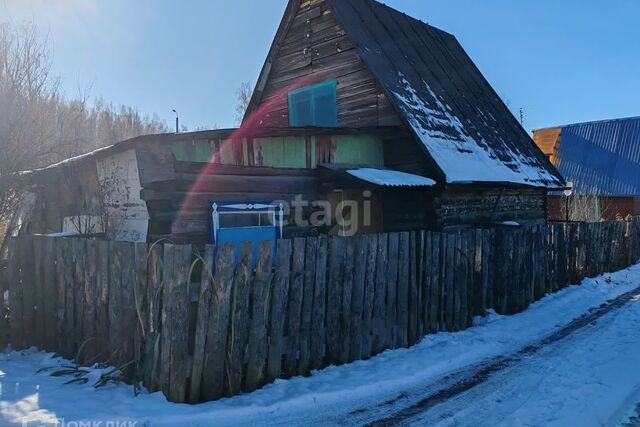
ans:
(315, 105)
(234, 223)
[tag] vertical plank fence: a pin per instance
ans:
(198, 326)
(4, 312)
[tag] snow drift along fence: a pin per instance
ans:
(327, 301)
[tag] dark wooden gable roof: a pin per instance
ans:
(439, 92)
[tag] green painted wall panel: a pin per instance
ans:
(192, 151)
(226, 153)
(365, 150)
(285, 152)
(282, 152)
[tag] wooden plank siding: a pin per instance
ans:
(315, 49)
(547, 140)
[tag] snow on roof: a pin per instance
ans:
(440, 93)
(390, 178)
(69, 161)
(185, 137)
(463, 158)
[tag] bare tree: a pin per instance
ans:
(38, 125)
(26, 90)
(243, 94)
(587, 206)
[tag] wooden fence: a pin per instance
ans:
(4, 314)
(327, 301)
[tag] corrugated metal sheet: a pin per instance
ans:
(390, 178)
(601, 157)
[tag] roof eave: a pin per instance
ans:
(561, 186)
(285, 24)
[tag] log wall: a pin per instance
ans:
(476, 204)
(180, 209)
(199, 327)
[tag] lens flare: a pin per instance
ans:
(256, 123)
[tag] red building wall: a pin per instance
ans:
(611, 208)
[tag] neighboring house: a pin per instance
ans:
(361, 115)
(601, 160)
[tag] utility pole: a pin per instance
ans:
(521, 116)
(177, 122)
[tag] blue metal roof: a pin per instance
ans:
(601, 157)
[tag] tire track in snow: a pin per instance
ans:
(481, 373)
(530, 391)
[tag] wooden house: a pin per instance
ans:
(358, 108)
(601, 161)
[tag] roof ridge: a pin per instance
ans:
(392, 9)
(590, 122)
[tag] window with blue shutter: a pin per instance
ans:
(315, 105)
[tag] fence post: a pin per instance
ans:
(414, 296)
(435, 283)
(337, 246)
(141, 305)
(319, 307)
(103, 259)
(16, 305)
(239, 320)
(479, 301)
(202, 324)
(4, 286)
(152, 343)
(459, 281)
(369, 296)
(404, 265)
(498, 264)
(310, 253)
(89, 333)
(27, 290)
(392, 288)
(37, 333)
(357, 298)
(347, 295)
(279, 297)
(180, 309)
(216, 348)
(380, 294)
(115, 301)
(296, 296)
(257, 343)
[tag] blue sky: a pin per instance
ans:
(561, 61)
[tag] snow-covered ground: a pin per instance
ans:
(590, 377)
